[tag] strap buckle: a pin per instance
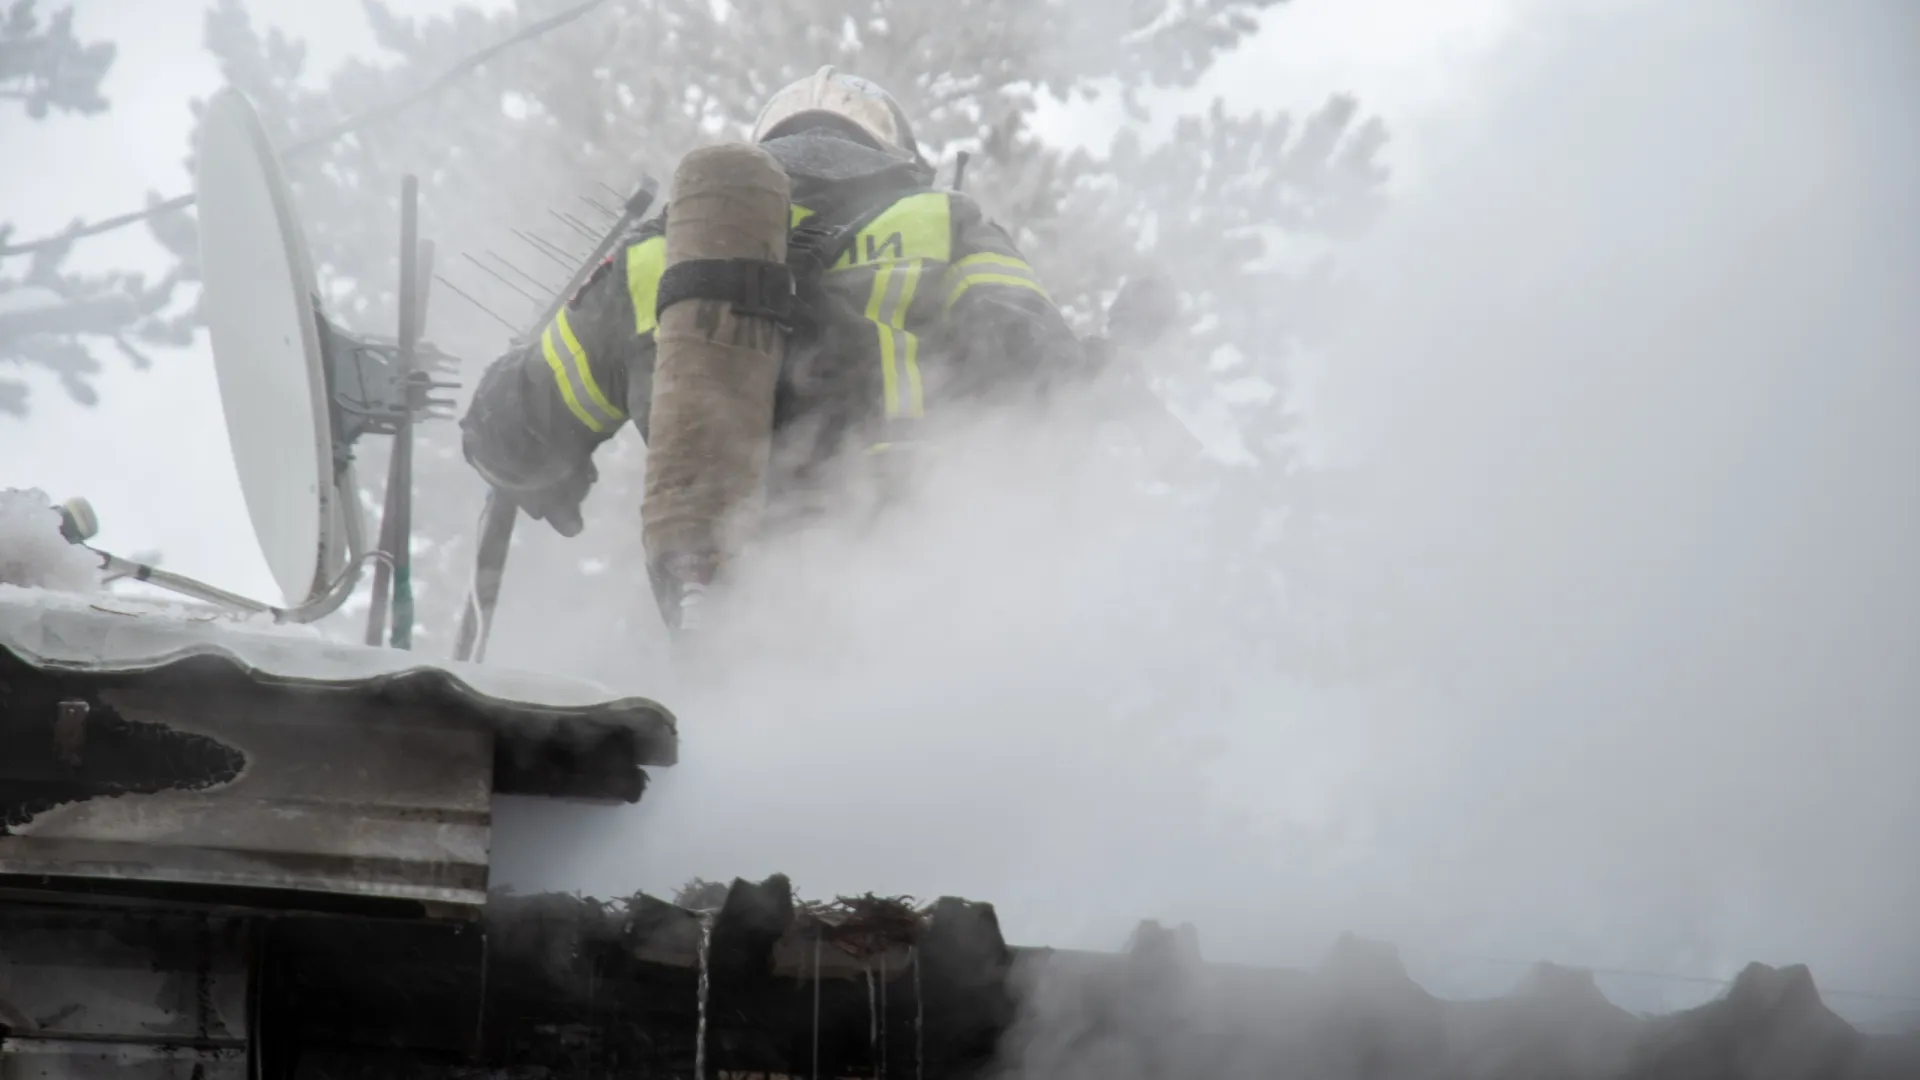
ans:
(756, 287)
(766, 291)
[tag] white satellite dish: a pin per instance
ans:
(298, 392)
(258, 302)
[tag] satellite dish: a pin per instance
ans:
(258, 303)
(298, 391)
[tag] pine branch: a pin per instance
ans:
(50, 69)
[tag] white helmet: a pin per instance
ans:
(829, 92)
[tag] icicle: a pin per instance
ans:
(816, 1003)
(873, 1021)
(919, 1020)
(700, 1035)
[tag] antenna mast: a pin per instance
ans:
(396, 516)
(498, 515)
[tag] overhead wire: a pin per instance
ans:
(324, 137)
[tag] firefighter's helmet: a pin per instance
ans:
(831, 93)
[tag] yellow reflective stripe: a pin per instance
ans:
(646, 261)
(916, 399)
(889, 377)
(565, 384)
(894, 286)
(989, 268)
(579, 356)
(970, 280)
(992, 258)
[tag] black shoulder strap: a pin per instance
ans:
(824, 236)
(769, 290)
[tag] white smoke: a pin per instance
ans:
(1628, 384)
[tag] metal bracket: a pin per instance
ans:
(370, 395)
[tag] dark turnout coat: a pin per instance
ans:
(921, 303)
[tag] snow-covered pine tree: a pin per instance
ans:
(52, 317)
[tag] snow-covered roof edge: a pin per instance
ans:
(103, 633)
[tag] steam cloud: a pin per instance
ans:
(1626, 385)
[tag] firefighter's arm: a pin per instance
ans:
(542, 409)
(1006, 328)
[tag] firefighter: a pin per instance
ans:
(751, 362)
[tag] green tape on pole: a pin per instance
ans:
(403, 608)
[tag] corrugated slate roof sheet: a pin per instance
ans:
(141, 748)
(112, 636)
(873, 987)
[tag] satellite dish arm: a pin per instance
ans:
(113, 566)
(116, 567)
(79, 524)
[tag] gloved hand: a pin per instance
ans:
(540, 482)
(557, 504)
(536, 468)
(554, 499)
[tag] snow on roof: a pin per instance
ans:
(32, 551)
(108, 633)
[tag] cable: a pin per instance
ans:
(345, 127)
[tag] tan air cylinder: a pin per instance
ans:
(715, 370)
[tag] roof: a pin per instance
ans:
(574, 985)
(152, 749)
(106, 634)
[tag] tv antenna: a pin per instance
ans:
(298, 392)
(499, 514)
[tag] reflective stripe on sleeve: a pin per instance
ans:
(989, 268)
(571, 375)
(580, 366)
